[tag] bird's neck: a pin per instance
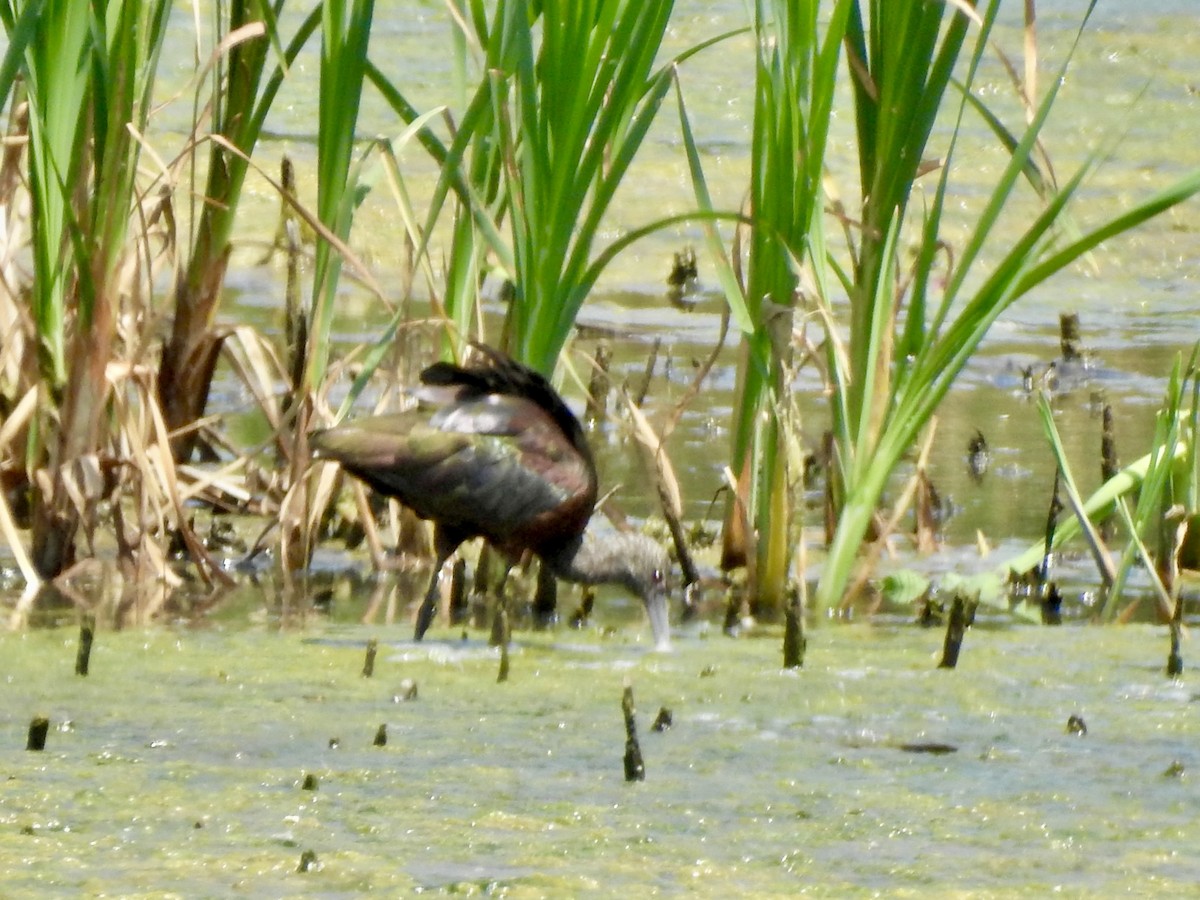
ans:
(593, 559)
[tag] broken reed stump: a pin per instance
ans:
(683, 269)
(1110, 464)
(1051, 605)
(1069, 341)
(87, 634)
(381, 735)
(1056, 506)
(979, 457)
(597, 401)
(1175, 658)
(369, 661)
(643, 388)
(308, 861)
(962, 614)
(309, 783)
(794, 640)
(38, 729)
(635, 767)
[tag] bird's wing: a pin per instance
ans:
(493, 466)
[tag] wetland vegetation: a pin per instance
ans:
(801, 268)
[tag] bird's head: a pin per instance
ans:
(634, 561)
(648, 569)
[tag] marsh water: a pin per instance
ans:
(176, 767)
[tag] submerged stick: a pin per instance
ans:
(381, 736)
(635, 767)
(87, 634)
(38, 729)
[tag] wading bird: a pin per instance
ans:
(492, 451)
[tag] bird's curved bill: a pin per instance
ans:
(658, 610)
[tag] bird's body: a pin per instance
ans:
(494, 452)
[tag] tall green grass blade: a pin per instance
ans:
(57, 69)
(1095, 544)
(795, 78)
(726, 276)
(345, 34)
(241, 102)
(20, 28)
(935, 350)
(572, 102)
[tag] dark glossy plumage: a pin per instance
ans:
(494, 452)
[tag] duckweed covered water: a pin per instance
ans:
(175, 769)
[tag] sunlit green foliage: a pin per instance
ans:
(913, 329)
(345, 34)
(239, 100)
(1163, 486)
(89, 72)
(795, 79)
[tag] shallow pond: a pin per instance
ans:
(176, 767)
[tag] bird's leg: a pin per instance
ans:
(429, 604)
(500, 629)
(499, 616)
(545, 601)
(458, 592)
(444, 543)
